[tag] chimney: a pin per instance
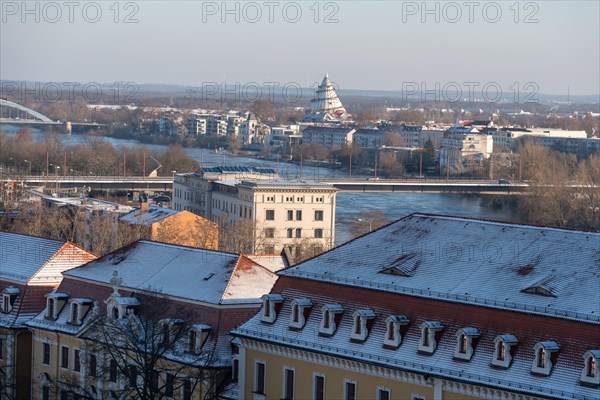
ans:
(144, 207)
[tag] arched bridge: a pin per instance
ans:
(29, 111)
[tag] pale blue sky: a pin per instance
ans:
(370, 47)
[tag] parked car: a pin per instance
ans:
(162, 199)
(503, 182)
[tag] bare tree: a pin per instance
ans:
(369, 220)
(149, 355)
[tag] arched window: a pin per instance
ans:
(502, 354)
(590, 375)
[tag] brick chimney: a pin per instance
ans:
(144, 207)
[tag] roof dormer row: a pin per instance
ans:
(396, 327)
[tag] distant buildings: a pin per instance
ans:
(30, 267)
(461, 145)
(575, 142)
(430, 308)
(283, 213)
(285, 136)
(331, 138)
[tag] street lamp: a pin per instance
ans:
(369, 221)
(173, 187)
(27, 161)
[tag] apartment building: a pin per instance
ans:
(29, 268)
(368, 138)
(432, 307)
(575, 142)
(332, 138)
(150, 320)
(284, 213)
(460, 145)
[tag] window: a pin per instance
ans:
(290, 215)
(290, 233)
(169, 385)
(50, 313)
(319, 233)
(288, 384)
(269, 233)
(76, 361)
(328, 321)
(319, 387)
(93, 365)
(74, 313)
(360, 329)
(502, 355)
(235, 370)
(192, 342)
(383, 393)
(6, 306)
(187, 390)
(46, 353)
(270, 215)
(154, 380)
(541, 358)
(428, 342)
(64, 357)
(298, 215)
(350, 390)
(465, 345)
(259, 378)
(45, 393)
(298, 232)
(543, 363)
(132, 372)
(298, 316)
(1, 348)
(270, 249)
(112, 370)
(591, 367)
(590, 373)
(393, 335)
(501, 350)
(319, 215)
(269, 314)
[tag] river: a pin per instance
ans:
(349, 205)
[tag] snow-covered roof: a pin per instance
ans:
(152, 215)
(31, 259)
(457, 259)
(21, 256)
(183, 272)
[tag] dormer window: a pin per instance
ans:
(54, 304)
(331, 314)
(393, 334)
(8, 298)
(502, 350)
(79, 308)
(118, 307)
(543, 361)
(300, 309)
(74, 313)
(590, 374)
(197, 337)
(170, 331)
(270, 307)
(465, 343)
(360, 330)
(429, 331)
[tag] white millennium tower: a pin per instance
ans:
(326, 105)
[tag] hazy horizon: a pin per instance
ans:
(379, 46)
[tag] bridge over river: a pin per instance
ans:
(165, 183)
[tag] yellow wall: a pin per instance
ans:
(334, 380)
